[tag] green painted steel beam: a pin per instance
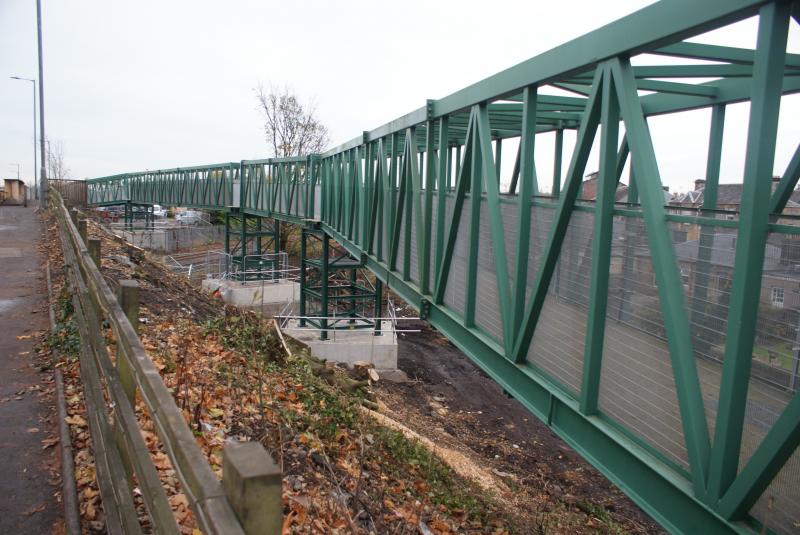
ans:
(560, 222)
(653, 485)
(726, 54)
(750, 245)
(650, 28)
(670, 287)
(601, 247)
(764, 464)
(527, 189)
(786, 185)
(372, 188)
(677, 88)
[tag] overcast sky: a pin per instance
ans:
(153, 84)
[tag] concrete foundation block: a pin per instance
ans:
(268, 297)
(350, 346)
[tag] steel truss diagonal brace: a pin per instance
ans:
(670, 287)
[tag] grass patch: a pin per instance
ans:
(330, 421)
(64, 337)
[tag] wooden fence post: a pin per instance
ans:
(94, 250)
(82, 229)
(128, 298)
(252, 483)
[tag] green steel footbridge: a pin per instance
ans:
(659, 340)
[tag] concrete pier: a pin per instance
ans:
(350, 346)
(268, 297)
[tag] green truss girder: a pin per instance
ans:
(394, 196)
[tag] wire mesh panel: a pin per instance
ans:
(401, 249)
(541, 221)
(637, 386)
(487, 302)
(455, 291)
(705, 256)
(774, 377)
(558, 341)
(317, 202)
(413, 253)
(509, 212)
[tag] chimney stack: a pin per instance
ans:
(699, 184)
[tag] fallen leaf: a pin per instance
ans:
(75, 420)
(24, 337)
(49, 442)
(33, 430)
(33, 511)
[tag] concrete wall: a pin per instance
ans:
(172, 239)
(14, 192)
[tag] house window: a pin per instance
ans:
(777, 297)
(685, 276)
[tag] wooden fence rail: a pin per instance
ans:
(247, 501)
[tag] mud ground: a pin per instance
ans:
(452, 401)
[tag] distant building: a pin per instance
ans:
(589, 190)
(14, 192)
(729, 197)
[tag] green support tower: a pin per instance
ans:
(334, 293)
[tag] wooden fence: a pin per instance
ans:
(73, 192)
(248, 499)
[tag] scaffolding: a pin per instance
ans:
(335, 293)
(248, 238)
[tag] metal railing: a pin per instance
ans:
(254, 269)
(386, 325)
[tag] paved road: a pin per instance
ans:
(27, 502)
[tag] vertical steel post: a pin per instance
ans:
(378, 308)
(601, 248)
(426, 232)
(558, 230)
(498, 158)
(670, 289)
(474, 183)
(527, 189)
(702, 276)
(303, 282)
(750, 244)
(243, 245)
(353, 295)
(323, 334)
(257, 243)
(555, 190)
(442, 180)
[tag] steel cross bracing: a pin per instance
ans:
(583, 309)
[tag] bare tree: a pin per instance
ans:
(291, 128)
(56, 168)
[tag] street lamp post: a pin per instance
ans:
(43, 173)
(35, 180)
